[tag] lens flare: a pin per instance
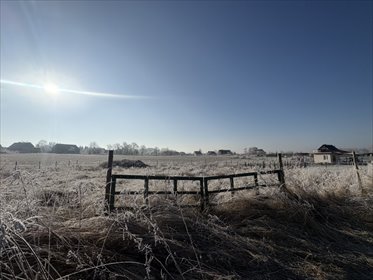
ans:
(52, 88)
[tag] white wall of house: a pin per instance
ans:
(322, 158)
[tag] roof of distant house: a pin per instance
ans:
(325, 148)
(24, 147)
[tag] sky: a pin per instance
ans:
(188, 75)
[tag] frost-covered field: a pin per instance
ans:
(53, 224)
(36, 174)
(32, 161)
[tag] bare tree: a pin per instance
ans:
(142, 150)
(117, 148)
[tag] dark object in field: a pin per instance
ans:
(126, 163)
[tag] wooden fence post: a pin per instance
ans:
(256, 183)
(256, 179)
(203, 194)
(175, 187)
(281, 175)
(15, 165)
(146, 191)
(231, 185)
(39, 165)
(112, 194)
(206, 192)
(357, 172)
(108, 180)
(281, 178)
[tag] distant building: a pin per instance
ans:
(225, 152)
(254, 151)
(197, 153)
(211, 153)
(23, 147)
(65, 149)
(327, 154)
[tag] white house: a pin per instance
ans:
(327, 154)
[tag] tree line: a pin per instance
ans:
(120, 149)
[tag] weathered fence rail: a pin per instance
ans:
(204, 182)
(146, 192)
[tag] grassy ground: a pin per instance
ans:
(53, 227)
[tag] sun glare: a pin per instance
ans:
(51, 88)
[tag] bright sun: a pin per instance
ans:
(51, 88)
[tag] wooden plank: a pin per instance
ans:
(157, 177)
(191, 178)
(179, 205)
(250, 187)
(155, 192)
(160, 192)
(249, 174)
(217, 177)
(169, 192)
(189, 192)
(130, 193)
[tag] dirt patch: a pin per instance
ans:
(126, 163)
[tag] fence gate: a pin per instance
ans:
(204, 182)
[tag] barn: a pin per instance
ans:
(225, 152)
(65, 149)
(327, 154)
(23, 147)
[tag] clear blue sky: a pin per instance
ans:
(279, 75)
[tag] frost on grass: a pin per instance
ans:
(52, 226)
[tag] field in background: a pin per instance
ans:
(31, 161)
(53, 224)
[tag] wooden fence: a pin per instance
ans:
(204, 182)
